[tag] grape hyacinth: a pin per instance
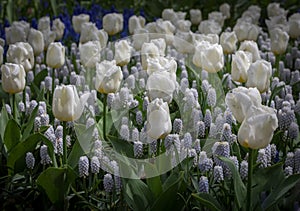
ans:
(244, 169)
(138, 149)
(30, 160)
(83, 166)
(218, 174)
(95, 165)
(45, 158)
(203, 185)
(108, 183)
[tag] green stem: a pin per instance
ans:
(278, 57)
(104, 116)
(249, 185)
(53, 80)
(228, 63)
(64, 143)
(14, 106)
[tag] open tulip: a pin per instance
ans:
(108, 77)
(251, 47)
(158, 119)
(161, 45)
(256, 131)
(78, 21)
(13, 78)
(240, 100)
(55, 57)
(209, 27)
(90, 32)
(90, 53)
(67, 105)
(36, 40)
(211, 38)
(136, 22)
(225, 10)
(21, 53)
(228, 41)
(122, 52)
(246, 31)
(17, 32)
(59, 28)
(274, 9)
(240, 64)
(161, 64)
(148, 50)
(139, 37)
(113, 23)
(259, 74)
(279, 41)
(277, 22)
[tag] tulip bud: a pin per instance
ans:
(108, 77)
(148, 50)
(246, 31)
(209, 27)
(240, 64)
(67, 106)
(90, 53)
(279, 41)
(228, 42)
(113, 23)
(17, 32)
(294, 25)
(196, 16)
(13, 78)
(250, 46)
(122, 52)
(58, 27)
(21, 53)
(135, 22)
(36, 40)
(259, 74)
(55, 57)
(158, 119)
(78, 21)
(225, 10)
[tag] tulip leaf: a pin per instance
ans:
(16, 158)
(207, 200)
(40, 77)
(280, 190)
(53, 6)
(3, 121)
(274, 92)
(29, 125)
(239, 187)
(75, 154)
(12, 135)
(56, 183)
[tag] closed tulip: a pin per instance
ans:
(55, 57)
(228, 41)
(90, 32)
(108, 77)
(184, 25)
(259, 74)
(211, 38)
(274, 9)
(294, 25)
(140, 37)
(279, 41)
(246, 31)
(67, 105)
(196, 16)
(78, 21)
(240, 100)
(240, 64)
(217, 16)
(13, 78)
(256, 131)
(21, 53)
(158, 119)
(113, 23)
(209, 27)
(59, 28)
(90, 53)
(251, 47)
(36, 40)
(136, 22)
(122, 52)
(148, 50)
(160, 44)
(225, 10)
(17, 32)
(161, 64)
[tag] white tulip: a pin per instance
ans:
(274, 9)
(78, 21)
(240, 64)
(246, 31)
(209, 27)
(55, 57)
(196, 16)
(251, 47)
(294, 25)
(257, 129)
(277, 22)
(90, 32)
(49, 37)
(36, 40)
(259, 74)
(165, 28)
(13, 78)
(161, 45)
(17, 32)
(59, 28)
(209, 57)
(211, 38)
(113, 23)
(1, 55)
(139, 37)
(169, 15)
(253, 12)
(90, 53)
(158, 119)
(21, 53)
(183, 42)
(225, 10)
(136, 22)
(240, 100)
(217, 16)
(279, 41)
(161, 64)
(122, 52)
(67, 106)
(148, 50)
(44, 24)
(228, 41)
(108, 77)
(184, 25)
(161, 84)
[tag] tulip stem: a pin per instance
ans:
(277, 60)
(53, 80)
(104, 116)
(249, 184)
(14, 106)
(64, 143)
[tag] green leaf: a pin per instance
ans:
(40, 77)
(207, 200)
(276, 90)
(280, 190)
(29, 125)
(53, 6)
(12, 135)
(239, 187)
(16, 158)
(3, 121)
(155, 185)
(75, 154)
(56, 183)
(137, 194)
